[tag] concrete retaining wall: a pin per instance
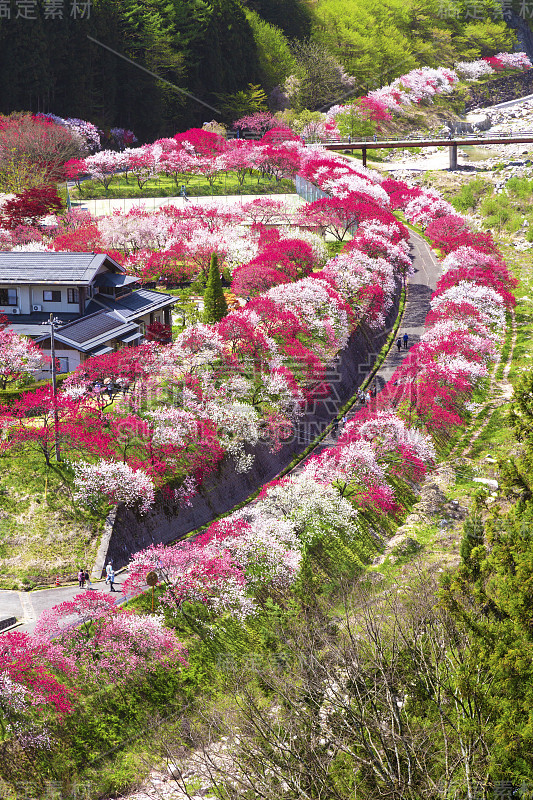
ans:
(226, 488)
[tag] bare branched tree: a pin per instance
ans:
(386, 702)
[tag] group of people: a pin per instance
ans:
(85, 578)
(337, 422)
(404, 339)
(110, 386)
(366, 397)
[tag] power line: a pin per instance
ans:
(153, 74)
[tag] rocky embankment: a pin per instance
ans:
(500, 90)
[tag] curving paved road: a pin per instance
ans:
(28, 606)
(421, 285)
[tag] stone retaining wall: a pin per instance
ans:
(226, 488)
(500, 90)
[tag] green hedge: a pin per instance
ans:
(10, 396)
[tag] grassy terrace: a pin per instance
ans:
(198, 186)
(43, 532)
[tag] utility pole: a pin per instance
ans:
(52, 322)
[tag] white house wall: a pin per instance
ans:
(28, 296)
(63, 306)
(74, 360)
(23, 299)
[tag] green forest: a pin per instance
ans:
(236, 57)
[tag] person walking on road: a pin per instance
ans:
(335, 427)
(399, 343)
(81, 578)
(405, 340)
(112, 580)
(108, 571)
(88, 579)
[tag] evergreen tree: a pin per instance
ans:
(215, 306)
(294, 17)
(473, 531)
(276, 61)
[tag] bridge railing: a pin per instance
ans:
(396, 138)
(417, 138)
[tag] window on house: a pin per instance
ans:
(73, 296)
(8, 297)
(63, 364)
(51, 297)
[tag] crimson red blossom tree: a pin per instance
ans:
(82, 239)
(75, 170)
(278, 136)
(30, 206)
(256, 278)
(124, 366)
(29, 663)
(280, 162)
(39, 420)
(157, 332)
(201, 142)
(35, 690)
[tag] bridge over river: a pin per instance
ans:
(523, 137)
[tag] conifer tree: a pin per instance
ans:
(473, 531)
(215, 306)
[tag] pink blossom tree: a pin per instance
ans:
(102, 167)
(143, 163)
(18, 356)
(105, 642)
(331, 215)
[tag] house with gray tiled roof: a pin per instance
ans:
(100, 307)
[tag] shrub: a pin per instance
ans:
(469, 195)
